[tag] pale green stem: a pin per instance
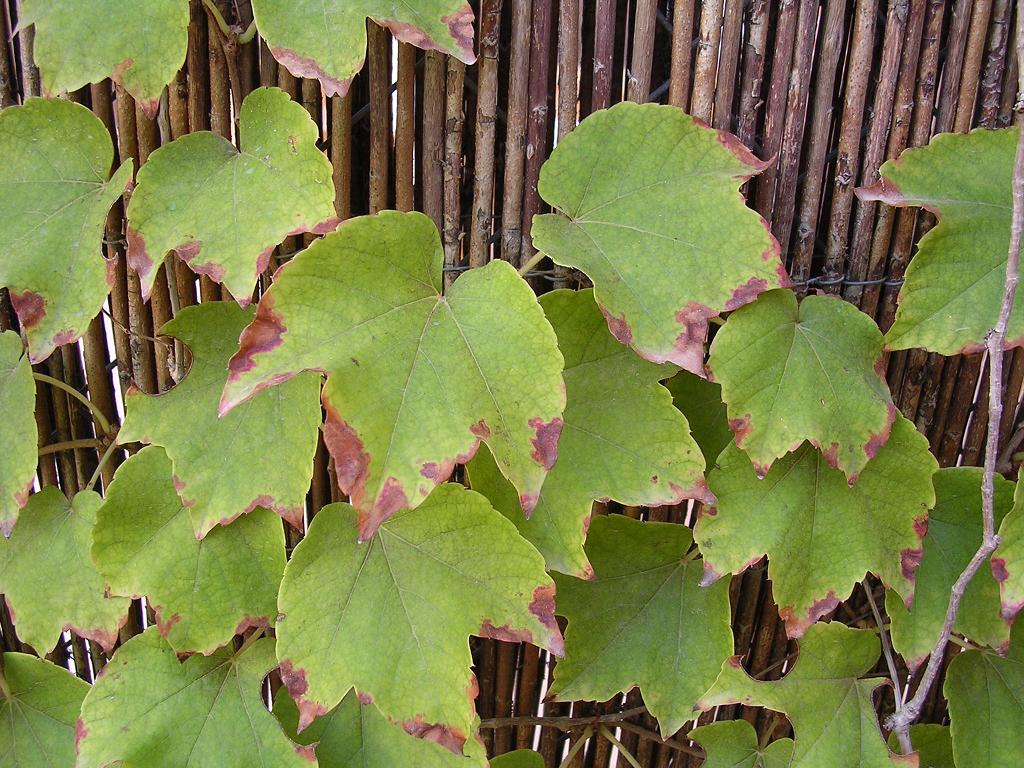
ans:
(534, 260)
(577, 746)
(103, 460)
(619, 746)
(101, 420)
(70, 445)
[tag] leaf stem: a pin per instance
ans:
(214, 11)
(890, 662)
(532, 262)
(995, 341)
(249, 34)
(101, 420)
(103, 460)
(577, 746)
(621, 747)
(70, 445)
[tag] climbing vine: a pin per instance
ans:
(472, 425)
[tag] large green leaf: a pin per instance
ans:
(415, 379)
(647, 205)
(954, 535)
(48, 576)
(700, 401)
(140, 45)
(55, 207)
(820, 534)
(17, 404)
(223, 211)
(259, 455)
(38, 710)
(734, 744)
(644, 621)
(521, 758)
(354, 735)
(1008, 559)
(985, 692)
(203, 592)
(622, 439)
(812, 372)
(391, 617)
(830, 707)
(326, 39)
(954, 285)
(148, 710)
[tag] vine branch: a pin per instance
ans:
(901, 719)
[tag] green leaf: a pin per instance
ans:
(521, 758)
(140, 45)
(17, 404)
(829, 706)
(954, 285)
(810, 372)
(954, 535)
(38, 713)
(391, 617)
(259, 455)
(701, 403)
(55, 208)
(204, 592)
(354, 734)
(733, 744)
(647, 205)
(644, 621)
(148, 709)
(1008, 559)
(932, 744)
(820, 534)
(48, 577)
(327, 40)
(415, 379)
(223, 211)
(985, 692)
(622, 439)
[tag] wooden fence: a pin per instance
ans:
(827, 90)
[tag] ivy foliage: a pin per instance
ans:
(780, 440)
(51, 233)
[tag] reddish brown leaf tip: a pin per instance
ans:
(480, 430)
(910, 559)
(880, 438)
(882, 192)
(364, 698)
(618, 327)
(29, 306)
(302, 66)
(164, 624)
(307, 752)
(543, 607)
(688, 349)
(450, 738)
(140, 260)
(460, 24)
(391, 499)
(545, 441)
(105, 638)
(999, 572)
(295, 681)
(263, 334)
(741, 428)
(710, 574)
(746, 293)
(796, 625)
(80, 732)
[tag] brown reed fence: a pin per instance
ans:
(827, 90)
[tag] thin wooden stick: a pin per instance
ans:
(515, 134)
